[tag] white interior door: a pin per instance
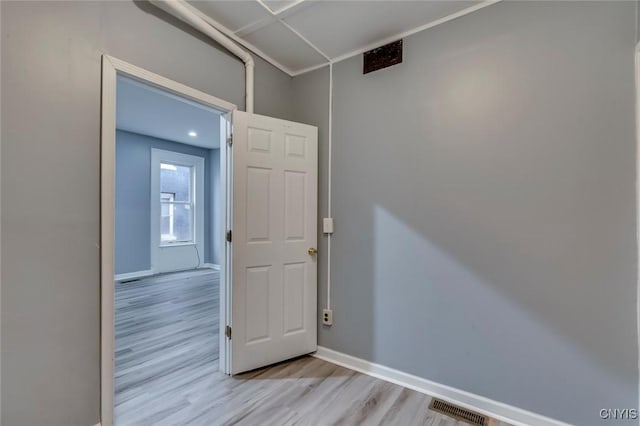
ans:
(274, 235)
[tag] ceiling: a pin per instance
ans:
(144, 109)
(301, 35)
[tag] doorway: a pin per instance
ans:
(164, 254)
(266, 235)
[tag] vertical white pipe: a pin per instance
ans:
(329, 183)
(637, 105)
(248, 68)
(181, 10)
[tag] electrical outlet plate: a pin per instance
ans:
(327, 317)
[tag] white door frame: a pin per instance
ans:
(111, 68)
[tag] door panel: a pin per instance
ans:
(274, 284)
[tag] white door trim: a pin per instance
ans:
(111, 67)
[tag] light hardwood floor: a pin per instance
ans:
(166, 371)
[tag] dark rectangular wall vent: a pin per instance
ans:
(382, 57)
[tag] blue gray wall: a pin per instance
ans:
(51, 53)
(484, 199)
(133, 198)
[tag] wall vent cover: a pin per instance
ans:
(382, 57)
(458, 413)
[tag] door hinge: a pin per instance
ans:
(227, 331)
(230, 139)
(229, 236)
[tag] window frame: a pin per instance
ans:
(197, 201)
(170, 203)
(191, 203)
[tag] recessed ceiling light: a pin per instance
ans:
(193, 134)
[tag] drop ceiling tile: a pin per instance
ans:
(277, 5)
(341, 27)
(233, 14)
(285, 47)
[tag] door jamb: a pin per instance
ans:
(111, 68)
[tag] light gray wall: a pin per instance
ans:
(311, 101)
(50, 184)
(484, 199)
(133, 198)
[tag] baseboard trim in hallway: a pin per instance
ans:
(497, 410)
(133, 275)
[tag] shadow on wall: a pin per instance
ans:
(486, 211)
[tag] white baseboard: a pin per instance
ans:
(133, 275)
(211, 266)
(497, 410)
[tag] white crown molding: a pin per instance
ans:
(309, 69)
(494, 409)
(415, 30)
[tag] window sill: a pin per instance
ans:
(176, 245)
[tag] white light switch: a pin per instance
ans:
(327, 225)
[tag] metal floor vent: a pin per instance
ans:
(458, 413)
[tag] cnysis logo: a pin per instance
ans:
(619, 414)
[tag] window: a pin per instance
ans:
(176, 203)
(166, 212)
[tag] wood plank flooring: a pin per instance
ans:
(166, 343)
(166, 371)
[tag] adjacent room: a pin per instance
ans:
(311, 212)
(168, 205)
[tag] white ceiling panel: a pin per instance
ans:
(336, 28)
(284, 46)
(278, 5)
(233, 14)
(149, 111)
(339, 27)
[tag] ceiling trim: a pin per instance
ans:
(260, 23)
(293, 30)
(309, 69)
(286, 8)
(254, 26)
(229, 33)
(415, 30)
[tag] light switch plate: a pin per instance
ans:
(327, 225)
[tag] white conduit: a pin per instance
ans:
(178, 9)
(329, 183)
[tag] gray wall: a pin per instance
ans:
(485, 207)
(50, 184)
(311, 101)
(133, 198)
(483, 196)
